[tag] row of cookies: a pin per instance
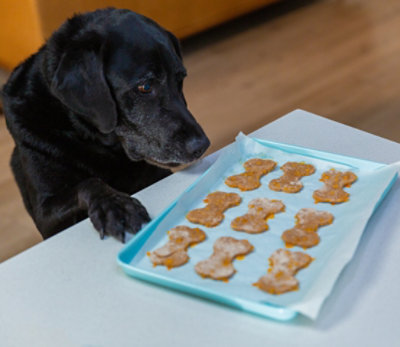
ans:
(303, 234)
(289, 182)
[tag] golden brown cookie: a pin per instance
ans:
(213, 214)
(174, 252)
(219, 265)
(333, 191)
(250, 179)
(255, 220)
(289, 182)
(304, 234)
(284, 264)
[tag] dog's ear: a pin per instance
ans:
(175, 43)
(79, 82)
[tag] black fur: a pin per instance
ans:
(97, 114)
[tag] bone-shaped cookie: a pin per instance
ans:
(174, 252)
(219, 265)
(284, 264)
(213, 214)
(304, 234)
(255, 220)
(333, 191)
(250, 179)
(289, 182)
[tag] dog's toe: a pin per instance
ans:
(114, 215)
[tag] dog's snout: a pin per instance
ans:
(197, 146)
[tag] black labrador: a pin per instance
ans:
(97, 114)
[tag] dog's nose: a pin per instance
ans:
(197, 146)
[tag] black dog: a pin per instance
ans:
(97, 114)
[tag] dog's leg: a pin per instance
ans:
(111, 212)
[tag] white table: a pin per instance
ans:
(69, 290)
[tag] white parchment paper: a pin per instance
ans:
(338, 240)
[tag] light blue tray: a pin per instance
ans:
(131, 250)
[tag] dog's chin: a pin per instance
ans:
(174, 166)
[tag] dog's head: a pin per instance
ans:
(122, 74)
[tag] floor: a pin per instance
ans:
(336, 58)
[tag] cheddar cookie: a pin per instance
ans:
(304, 234)
(255, 220)
(250, 179)
(219, 265)
(174, 252)
(213, 214)
(284, 265)
(289, 182)
(333, 191)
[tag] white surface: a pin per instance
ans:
(69, 290)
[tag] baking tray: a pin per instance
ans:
(331, 255)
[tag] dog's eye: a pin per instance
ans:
(145, 88)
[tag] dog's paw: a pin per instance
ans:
(114, 214)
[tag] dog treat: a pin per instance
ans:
(289, 182)
(333, 191)
(219, 265)
(250, 179)
(304, 234)
(255, 220)
(283, 265)
(173, 253)
(212, 214)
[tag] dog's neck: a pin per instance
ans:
(88, 132)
